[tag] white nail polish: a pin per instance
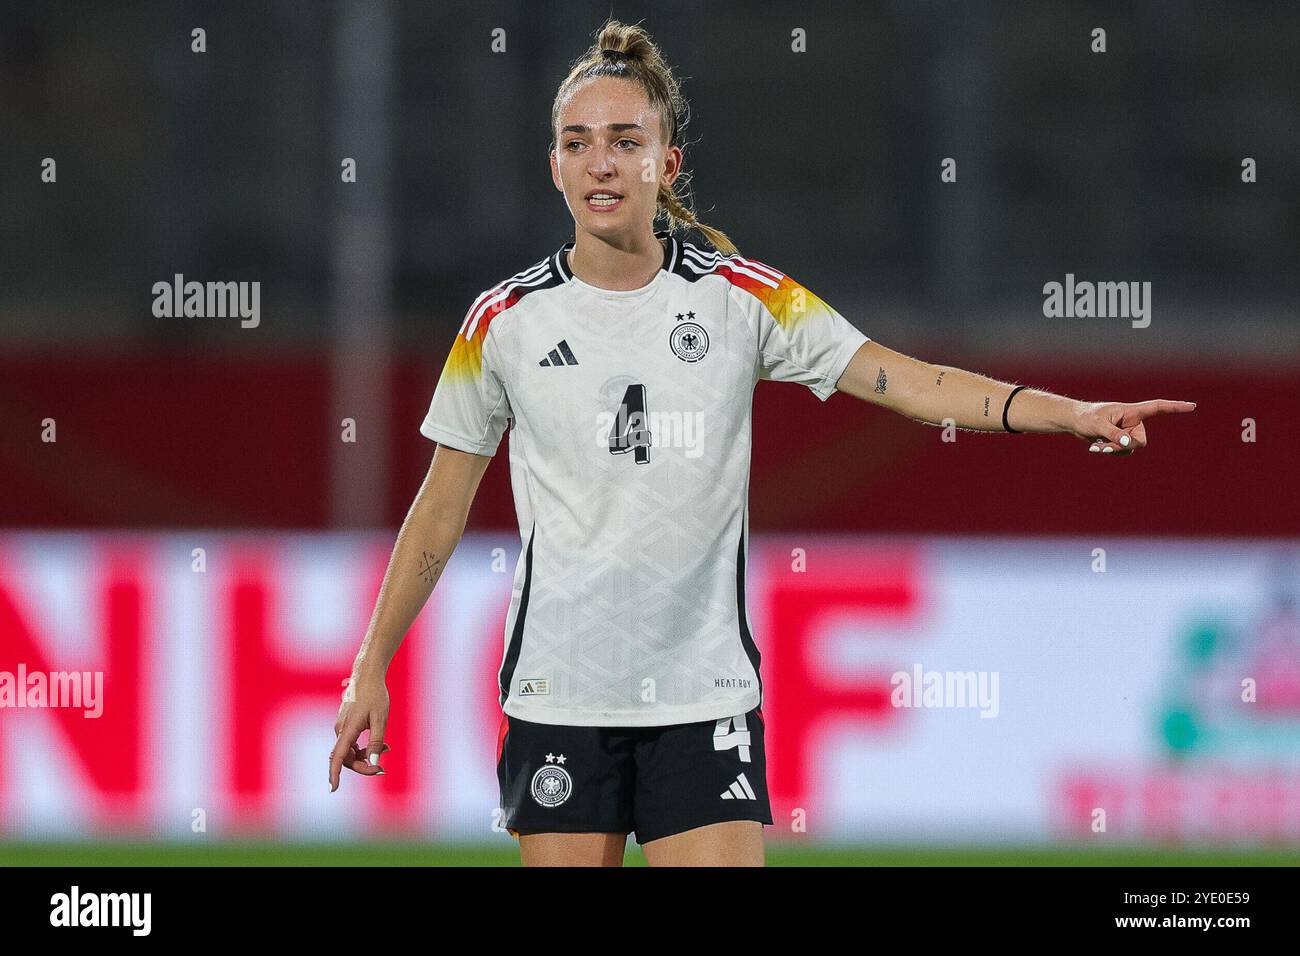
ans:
(1107, 450)
(1124, 440)
(1094, 448)
(374, 760)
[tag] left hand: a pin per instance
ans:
(1115, 428)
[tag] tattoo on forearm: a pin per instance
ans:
(880, 382)
(986, 406)
(939, 380)
(429, 567)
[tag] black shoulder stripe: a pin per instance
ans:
(500, 297)
(695, 261)
(536, 277)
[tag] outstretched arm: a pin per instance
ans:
(935, 393)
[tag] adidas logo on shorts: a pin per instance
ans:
(560, 355)
(739, 790)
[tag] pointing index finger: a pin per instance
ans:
(1159, 406)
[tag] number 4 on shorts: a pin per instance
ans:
(724, 737)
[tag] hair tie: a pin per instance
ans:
(1005, 424)
(615, 54)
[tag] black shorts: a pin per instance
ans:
(654, 781)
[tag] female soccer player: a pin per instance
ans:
(623, 366)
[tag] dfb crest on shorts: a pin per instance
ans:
(552, 784)
(688, 340)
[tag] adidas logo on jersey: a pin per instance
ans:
(739, 790)
(560, 355)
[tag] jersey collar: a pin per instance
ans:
(672, 252)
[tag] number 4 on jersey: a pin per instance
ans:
(630, 432)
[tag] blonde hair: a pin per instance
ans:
(642, 63)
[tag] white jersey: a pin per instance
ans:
(629, 418)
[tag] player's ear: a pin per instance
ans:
(672, 165)
(555, 169)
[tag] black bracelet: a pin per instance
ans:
(1008, 405)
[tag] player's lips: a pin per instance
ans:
(603, 201)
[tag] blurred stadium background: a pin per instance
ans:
(876, 548)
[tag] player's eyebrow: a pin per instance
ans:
(612, 127)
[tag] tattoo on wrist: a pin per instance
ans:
(880, 382)
(429, 566)
(939, 380)
(986, 406)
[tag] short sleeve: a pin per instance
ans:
(470, 410)
(800, 338)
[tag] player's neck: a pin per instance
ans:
(606, 266)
